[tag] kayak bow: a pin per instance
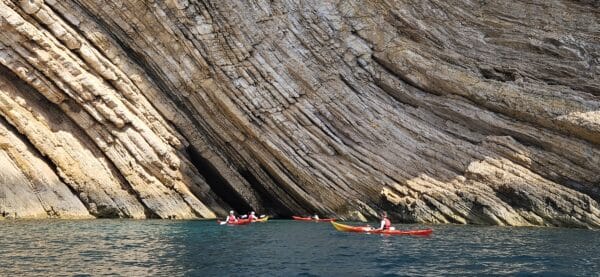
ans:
(365, 229)
(262, 219)
(299, 218)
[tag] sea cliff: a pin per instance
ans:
(471, 112)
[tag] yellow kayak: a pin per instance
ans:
(263, 219)
(366, 229)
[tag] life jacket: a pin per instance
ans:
(252, 217)
(387, 223)
(231, 218)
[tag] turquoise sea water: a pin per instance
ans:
(287, 248)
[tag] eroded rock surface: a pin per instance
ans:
(484, 112)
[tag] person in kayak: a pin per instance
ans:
(386, 224)
(252, 216)
(231, 218)
(315, 216)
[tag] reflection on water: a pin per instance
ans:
(284, 248)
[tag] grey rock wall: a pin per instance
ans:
(483, 112)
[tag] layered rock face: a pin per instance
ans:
(484, 112)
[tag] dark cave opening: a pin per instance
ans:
(217, 182)
(270, 203)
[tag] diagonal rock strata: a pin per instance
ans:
(437, 111)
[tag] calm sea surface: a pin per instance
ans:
(287, 248)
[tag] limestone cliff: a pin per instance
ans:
(438, 111)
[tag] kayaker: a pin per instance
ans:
(231, 218)
(315, 216)
(252, 216)
(386, 224)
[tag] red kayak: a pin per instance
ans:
(299, 218)
(239, 222)
(365, 229)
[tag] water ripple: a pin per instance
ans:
(287, 248)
